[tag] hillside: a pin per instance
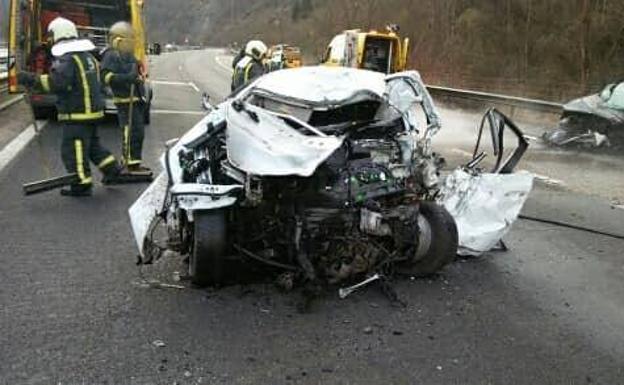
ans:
(552, 49)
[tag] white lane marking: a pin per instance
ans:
(13, 148)
(462, 152)
(171, 83)
(222, 65)
(176, 112)
(545, 178)
(177, 84)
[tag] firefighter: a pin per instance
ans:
(251, 66)
(121, 71)
(74, 79)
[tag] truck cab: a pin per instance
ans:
(30, 51)
(373, 50)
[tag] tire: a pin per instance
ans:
(42, 113)
(438, 241)
(208, 255)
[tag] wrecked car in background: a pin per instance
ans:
(591, 122)
(324, 175)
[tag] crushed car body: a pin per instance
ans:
(323, 175)
(595, 121)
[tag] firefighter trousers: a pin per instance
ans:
(80, 145)
(133, 132)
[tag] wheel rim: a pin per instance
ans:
(424, 237)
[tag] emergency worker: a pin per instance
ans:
(122, 73)
(74, 79)
(251, 66)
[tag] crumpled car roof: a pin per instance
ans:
(322, 84)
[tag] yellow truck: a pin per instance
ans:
(372, 50)
(30, 51)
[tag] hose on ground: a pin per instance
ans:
(571, 226)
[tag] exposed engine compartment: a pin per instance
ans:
(338, 223)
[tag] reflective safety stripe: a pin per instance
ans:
(80, 169)
(247, 70)
(108, 77)
(45, 82)
(81, 117)
(85, 84)
(106, 162)
(125, 100)
(127, 151)
(126, 144)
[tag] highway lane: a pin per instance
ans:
(74, 309)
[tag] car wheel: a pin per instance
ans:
(438, 241)
(42, 113)
(208, 255)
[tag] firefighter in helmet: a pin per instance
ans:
(251, 66)
(122, 73)
(74, 79)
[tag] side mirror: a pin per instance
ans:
(206, 105)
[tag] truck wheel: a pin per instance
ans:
(208, 255)
(437, 244)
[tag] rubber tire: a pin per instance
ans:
(207, 259)
(444, 242)
(44, 113)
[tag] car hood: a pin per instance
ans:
(594, 105)
(266, 145)
(322, 85)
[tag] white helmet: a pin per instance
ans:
(256, 49)
(62, 29)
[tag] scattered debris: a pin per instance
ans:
(345, 292)
(595, 121)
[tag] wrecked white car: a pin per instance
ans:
(324, 175)
(595, 121)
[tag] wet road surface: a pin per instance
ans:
(74, 309)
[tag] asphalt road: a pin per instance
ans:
(74, 309)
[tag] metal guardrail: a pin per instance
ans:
(513, 102)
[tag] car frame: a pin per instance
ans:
(277, 151)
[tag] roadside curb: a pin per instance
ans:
(11, 102)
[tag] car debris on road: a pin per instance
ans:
(595, 121)
(326, 173)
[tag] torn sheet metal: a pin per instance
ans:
(271, 147)
(331, 85)
(146, 209)
(484, 206)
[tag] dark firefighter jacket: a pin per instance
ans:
(246, 70)
(75, 79)
(120, 71)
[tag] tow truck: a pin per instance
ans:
(30, 51)
(380, 51)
